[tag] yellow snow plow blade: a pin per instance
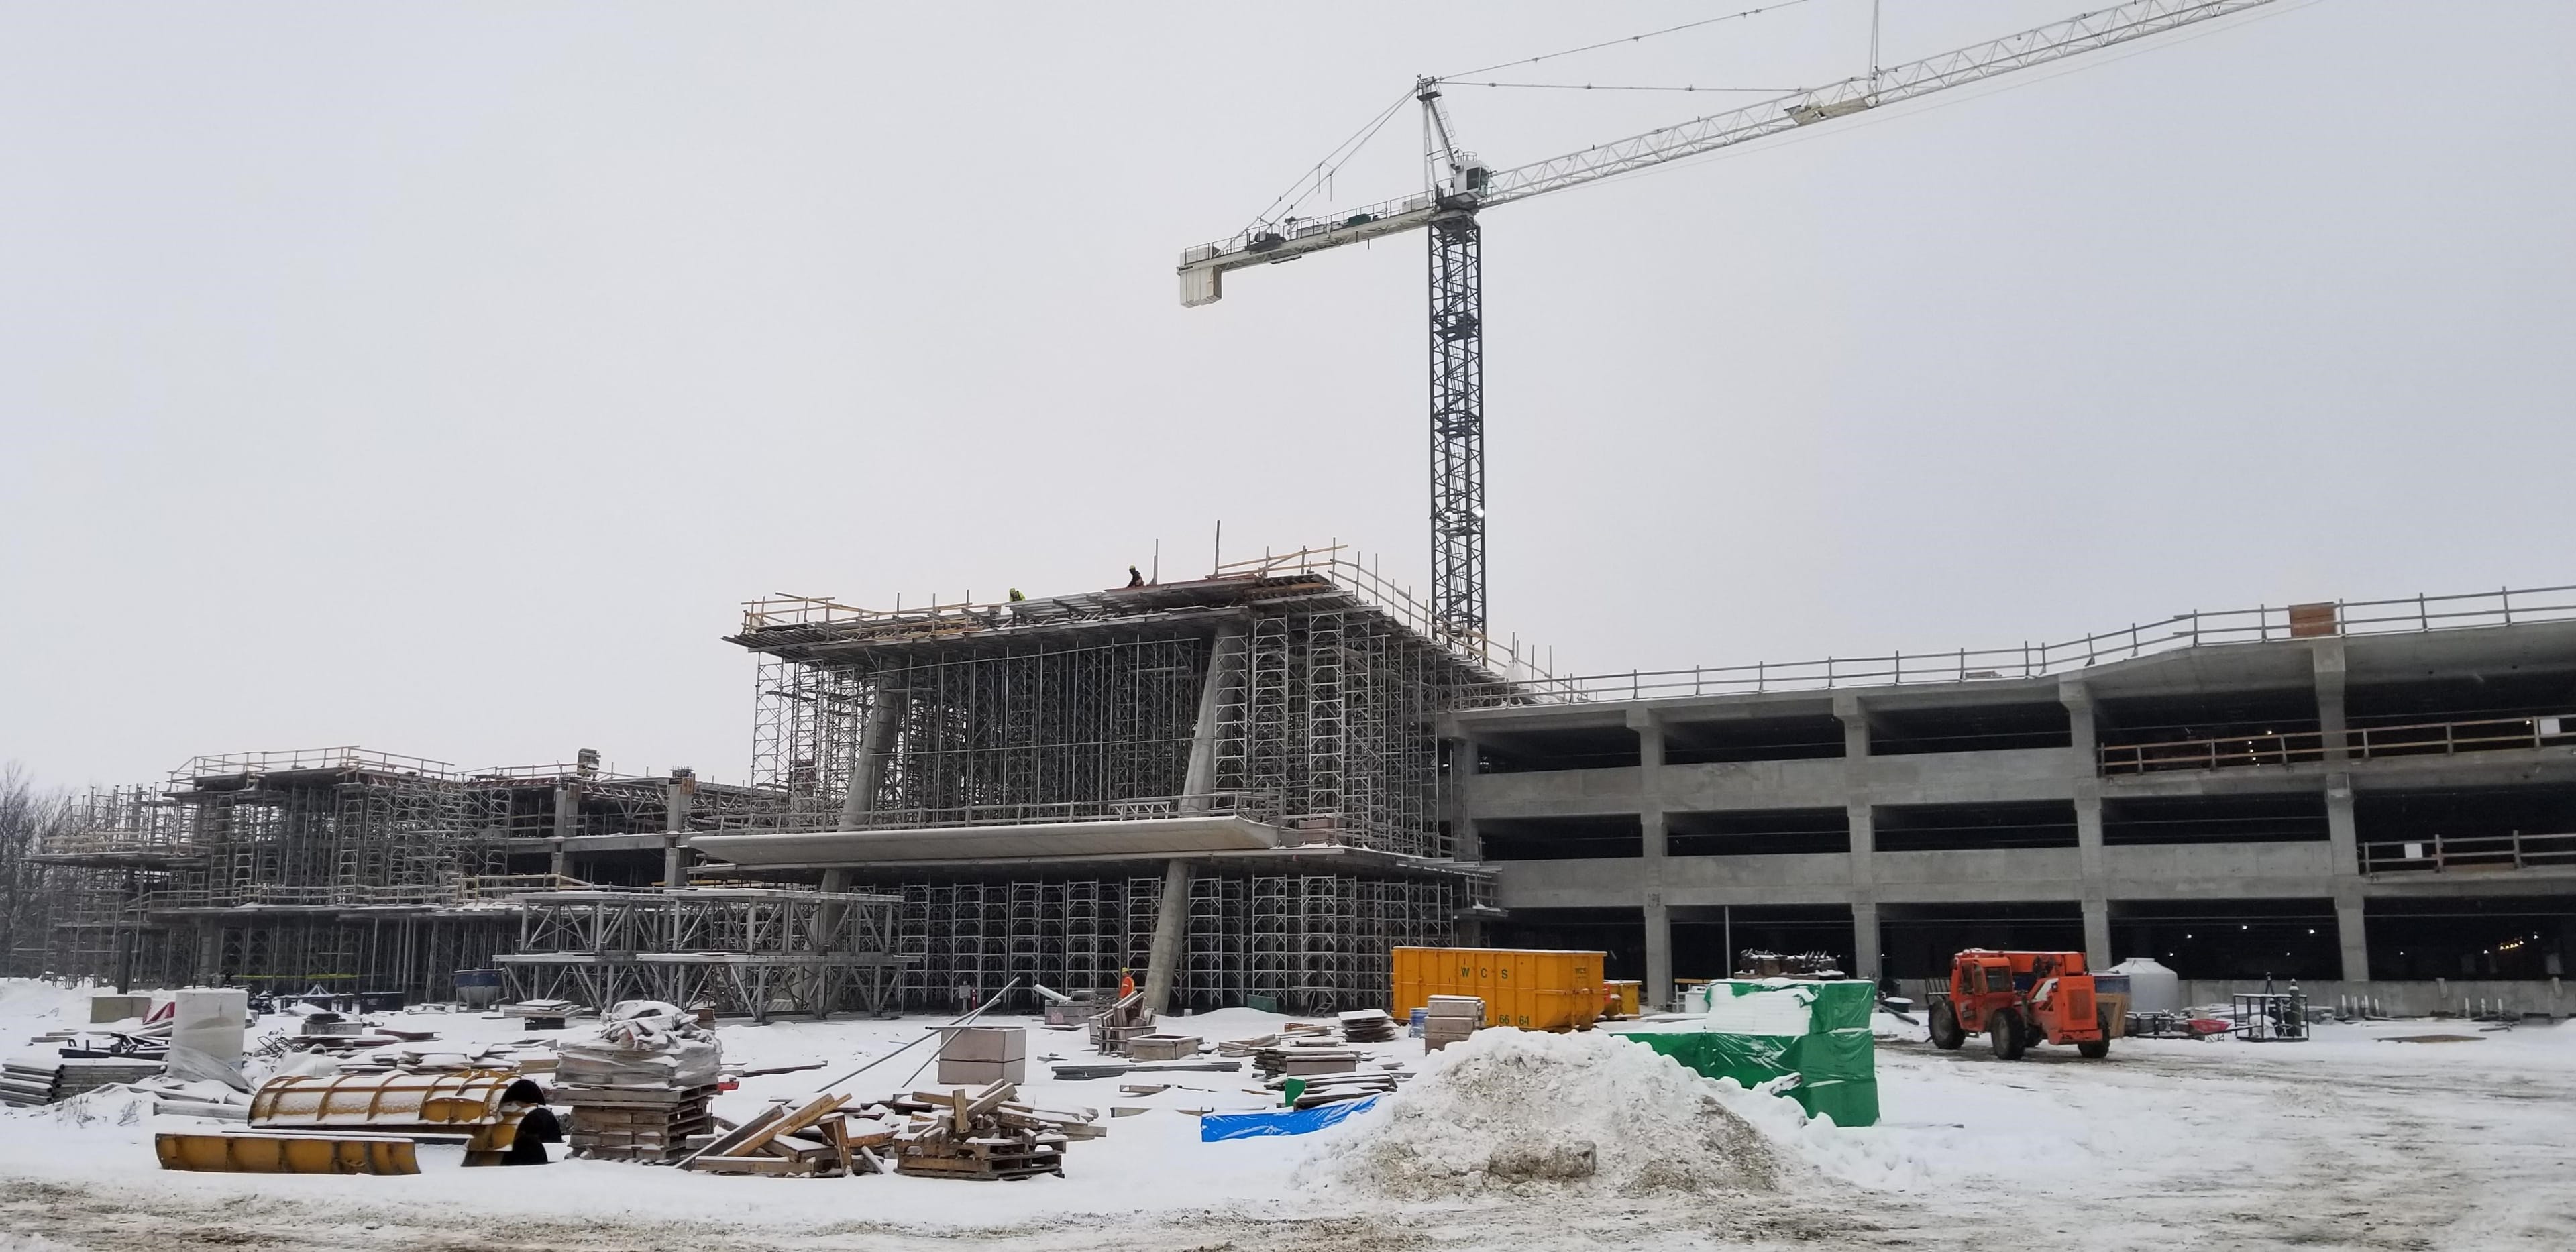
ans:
(253, 1152)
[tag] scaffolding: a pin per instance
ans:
(752, 951)
(341, 867)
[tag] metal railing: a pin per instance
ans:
(1257, 806)
(347, 757)
(2439, 854)
(1515, 663)
(2360, 743)
(2037, 660)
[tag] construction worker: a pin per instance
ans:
(1126, 984)
(1016, 597)
(1135, 578)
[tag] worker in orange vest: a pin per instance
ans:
(1126, 984)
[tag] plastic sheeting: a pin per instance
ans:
(206, 1036)
(644, 1043)
(1828, 1046)
(1217, 1126)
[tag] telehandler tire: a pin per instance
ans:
(1946, 1034)
(2006, 1034)
(2101, 1047)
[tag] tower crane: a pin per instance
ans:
(1461, 187)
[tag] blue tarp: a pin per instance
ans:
(1217, 1126)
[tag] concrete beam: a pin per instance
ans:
(1171, 923)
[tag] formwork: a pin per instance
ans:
(1295, 694)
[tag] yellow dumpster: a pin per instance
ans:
(1527, 988)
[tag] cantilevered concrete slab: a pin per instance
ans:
(1135, 837)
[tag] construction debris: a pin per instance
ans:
(1114, 1026)
(987, 1134)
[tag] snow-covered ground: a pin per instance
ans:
(2352, 1141)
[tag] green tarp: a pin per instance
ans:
(1836, 1062)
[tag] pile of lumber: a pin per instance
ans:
(985, 1134)
(649, 1124)
(1368, 1026)
(1450, 1019)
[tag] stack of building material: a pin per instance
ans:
(1368, 1026)
(25, 1084)
(1153, 1048)
(1291, 1032)
(979, 1056)
(640, 1086)
(28, 1083)
(1323, 1089)
(986, 1134)
(809, 1142)
(1451, 1019)
(1126, 1019)
(1299, 1060)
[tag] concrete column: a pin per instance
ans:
(567, 825)
(1650, 871)
(678, 796)
(1865, 940)
(876, 743)
(1171, 926)
(2327, 655)
(2353, 935)
(2085, 755)
(1464, 761)
(1659, 952)
(210, 952)
(1224, 673)
(561, 864)
(1863, 882)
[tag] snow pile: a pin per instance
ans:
(1521, 1110)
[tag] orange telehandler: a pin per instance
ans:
(2017, 999)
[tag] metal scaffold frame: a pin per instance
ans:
(752, 951)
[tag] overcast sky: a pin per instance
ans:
(440, 378)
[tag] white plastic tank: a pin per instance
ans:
(2152, 987)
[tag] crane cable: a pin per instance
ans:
(1610, 43)
(1298, 192)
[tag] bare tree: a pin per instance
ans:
(28, 815)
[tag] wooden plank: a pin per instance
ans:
(790, 1124)
(739, 1133)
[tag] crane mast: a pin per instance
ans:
(1461, 187)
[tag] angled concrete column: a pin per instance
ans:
(2083, 756)
(1171, 924)
(876, 743)
(1224, 675)
(1864, 837)
(1650, 871)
